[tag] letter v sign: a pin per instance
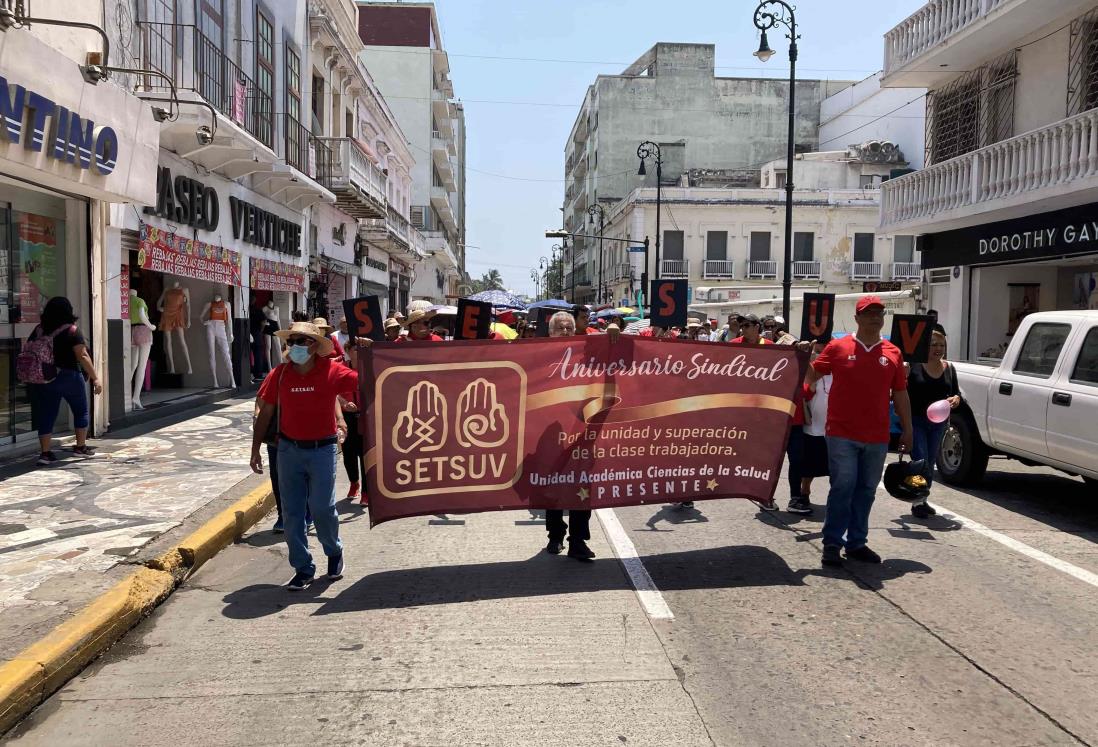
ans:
(911, 332)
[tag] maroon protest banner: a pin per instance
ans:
(575, 422)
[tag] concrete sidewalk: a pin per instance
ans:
(71, 531)
(445, 631)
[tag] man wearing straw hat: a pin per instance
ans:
(418, 326)
(338, 353)
(302, 395)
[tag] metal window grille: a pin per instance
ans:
(1083, 64)
(973, 111)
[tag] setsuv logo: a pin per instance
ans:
(457, 428)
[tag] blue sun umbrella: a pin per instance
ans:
(500, 299)
(552, 303)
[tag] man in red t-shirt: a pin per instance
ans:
(301, 394)
(867, 372)
(750, 332)
(582, 315)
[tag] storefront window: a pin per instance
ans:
(32, 270)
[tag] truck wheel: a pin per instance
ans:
(962, 459)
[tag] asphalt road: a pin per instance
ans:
(458, 630)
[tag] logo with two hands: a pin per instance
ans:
(480, 420)
(450, 428)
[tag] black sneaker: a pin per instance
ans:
(685, 505)
(799, 505)
(579, 550)
(864, 554)
(923, 511)
(84, 451)
(335, 567)
(771, 506)
(831, 556)
(45, 459)
(555, 547)
(299, 581)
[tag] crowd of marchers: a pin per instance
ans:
(307, 414)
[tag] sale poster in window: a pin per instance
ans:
(41, 245)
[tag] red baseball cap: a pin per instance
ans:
(867, 301)
(507, 317)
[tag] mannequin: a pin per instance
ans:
(174, 305)
(274, 347)
(219, 333)
(141, 341)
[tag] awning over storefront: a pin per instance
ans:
(108, 148)
(369, 288)
(1034, 237)
(270, 275)
(171, 253)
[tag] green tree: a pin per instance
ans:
(490, 280)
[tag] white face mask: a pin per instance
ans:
(703, 336)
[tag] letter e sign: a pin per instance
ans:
(669, 303)
(911, 334)
(364, 317)
(474, 320)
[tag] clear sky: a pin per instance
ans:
(522, 69)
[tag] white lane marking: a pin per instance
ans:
(1021, 547)
(650, 597)
(1040, 556)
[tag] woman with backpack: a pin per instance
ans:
(61, 381)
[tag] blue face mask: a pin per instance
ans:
(300, 354)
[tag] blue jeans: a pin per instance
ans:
(46, 401)
(856, 470)
(272, 467)
(306, 481)
(928, 440)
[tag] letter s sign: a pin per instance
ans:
(364, 317)
(669, 303)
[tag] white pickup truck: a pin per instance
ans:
(1040, 405)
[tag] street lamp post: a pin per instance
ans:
(769, 14)
(546, 267)
(647, 150)
(560, 268)
(571, 285)
(596, 208)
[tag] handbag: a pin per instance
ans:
(274, 425)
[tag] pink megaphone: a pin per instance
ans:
(938, 412)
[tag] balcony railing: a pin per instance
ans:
(762, 268)
(194, 62)
(675, 268)
(1018, 169)
(906, 271)
(806, 270)
(304, 152)
(359, 185)
(719, 268)
(865, 270)
(929, 26)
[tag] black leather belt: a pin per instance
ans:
(310, 444)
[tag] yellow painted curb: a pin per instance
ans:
(43, 667)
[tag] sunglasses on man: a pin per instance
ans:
(300, 341)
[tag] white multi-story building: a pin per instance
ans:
(1006, 202)
(365, 243)
(405, 55)
(673, 97)
(728, 241)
